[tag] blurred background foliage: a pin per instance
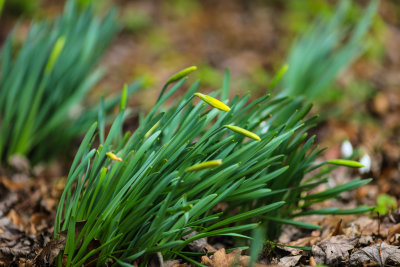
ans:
(252, 38)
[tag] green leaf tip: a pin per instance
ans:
(124, 97)
(55, 53)
(181, 74)
(345, 162)
(204, 165)
(150, 132)
(243, 132)
(213, 102)
(277, 78)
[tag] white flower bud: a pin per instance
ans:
(346, 149)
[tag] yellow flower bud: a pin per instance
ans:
(112, 156)
(243, 131)
(204, 165)
(213, 102)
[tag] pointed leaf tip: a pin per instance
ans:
(345, 162)
(124, 97)
(55, 53)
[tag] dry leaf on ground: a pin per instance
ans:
(334, 250)
(198, 245)
(234, 258)
(380, 254)
(289, 261)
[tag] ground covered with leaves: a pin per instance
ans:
(248, 44)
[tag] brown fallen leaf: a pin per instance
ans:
(221, 259)
(381, 103)
(209, 248)
(305, 241)
(380, 254)
(15, 218)
(334, 250)
(174, 263)
(312, 261)
(48, 254)
(234, 258)
(197, 245)
(12, 186)
(38, 218)
(395, 229)
(363, 225)
(290, 261)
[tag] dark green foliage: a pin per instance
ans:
(43, 83)
(140, 199)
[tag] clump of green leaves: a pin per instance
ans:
(327, 48)
(143, 192)
(43, 83)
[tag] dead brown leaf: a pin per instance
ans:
(363, 225)
(395, 229)
(334, 250)
(174, 263)
(381, 103)
(11, 185)
(312, 261)
(290, 260)
(15, 218)
(381, 254)
(197, 245)
(48, 254)
(221, 259)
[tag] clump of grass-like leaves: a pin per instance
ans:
(143, 192)
(327, 48)
(43, 83)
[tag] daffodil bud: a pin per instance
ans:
(243, 132)
(213, 102)
(112, 156)
(181, 74)
(204, 165)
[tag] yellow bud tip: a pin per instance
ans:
(204, 165)
(112, 156)
(213, 102)
(243, 132)
(181, 74)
